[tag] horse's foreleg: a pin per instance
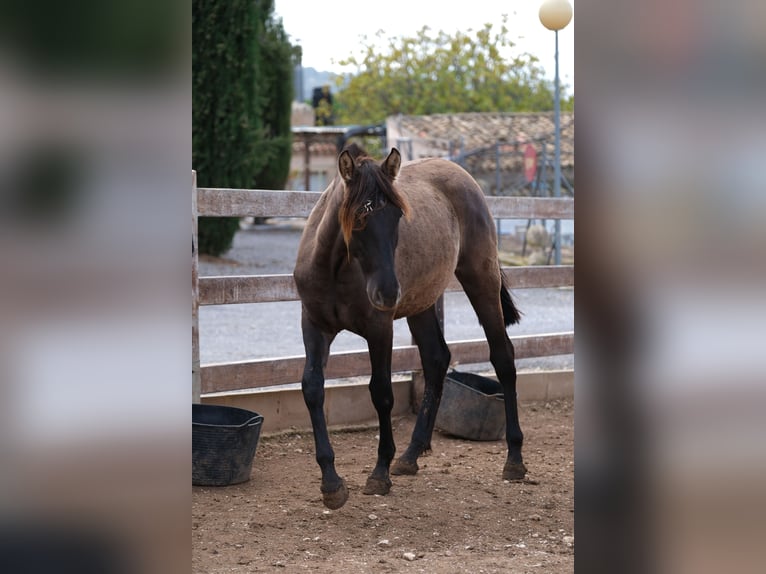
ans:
(317, 344)
(382, 396)
(435, 357)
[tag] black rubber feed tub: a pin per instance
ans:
(224, 440)
(472, 407)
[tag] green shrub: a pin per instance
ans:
(241, 87)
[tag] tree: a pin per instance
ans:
(275, 89)
(439, 73)
(321, 101)
(224, 123)
(241, 96)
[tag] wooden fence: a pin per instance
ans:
(235, 289)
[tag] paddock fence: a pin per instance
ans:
(236, 377)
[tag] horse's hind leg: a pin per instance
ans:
(435, 357)
(317, 344)
(379, 343)
(484, 294)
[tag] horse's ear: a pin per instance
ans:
(392, 163)
(346, 166)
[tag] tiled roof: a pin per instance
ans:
(322, 140)
(456, 133)
(317, 147)
(489, 145)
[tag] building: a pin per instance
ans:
(490, 146)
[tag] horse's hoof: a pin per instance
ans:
(514, 471)
(377, 486)
(402, 466)
(336, 498)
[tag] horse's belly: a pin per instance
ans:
(423, 283)
(416, 301)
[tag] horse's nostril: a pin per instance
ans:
(383, 302)
(383, 296)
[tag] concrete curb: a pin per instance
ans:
(348, 404)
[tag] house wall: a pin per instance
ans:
(322, 154)
(321, 168)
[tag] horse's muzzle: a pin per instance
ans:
(384, 299)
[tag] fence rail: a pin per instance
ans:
(219, 202)
(270, 372)
(236, 289)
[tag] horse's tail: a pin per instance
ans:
(511, 315)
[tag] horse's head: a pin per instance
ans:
(369, 218)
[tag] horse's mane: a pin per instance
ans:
(367, 175)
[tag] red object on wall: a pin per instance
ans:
(530, 163)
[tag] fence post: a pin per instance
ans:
(196, 375)
(307, 163)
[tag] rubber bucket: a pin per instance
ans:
(472, 407)
(224, 440)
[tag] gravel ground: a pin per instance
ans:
(260, 330)
(456, 516)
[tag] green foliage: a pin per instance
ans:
(322, 102)
(274, 85)
(224, 122)
(324, 114)
(79, 38)
(439, 73)
(241, 96)
(216, 234)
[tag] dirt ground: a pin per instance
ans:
(456, 515)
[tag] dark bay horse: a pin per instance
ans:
(383, 243)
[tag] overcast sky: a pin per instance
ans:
(331, 30)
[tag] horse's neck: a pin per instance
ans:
(329, 247)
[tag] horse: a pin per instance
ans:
(383, 242)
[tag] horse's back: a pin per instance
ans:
(441, 177)
(437, 180)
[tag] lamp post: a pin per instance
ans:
(555, 15)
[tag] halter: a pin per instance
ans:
(369, 206)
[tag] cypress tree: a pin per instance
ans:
(274, 85)
(236, 122)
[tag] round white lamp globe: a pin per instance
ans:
(555, 14)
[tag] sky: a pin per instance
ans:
(331, 30)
